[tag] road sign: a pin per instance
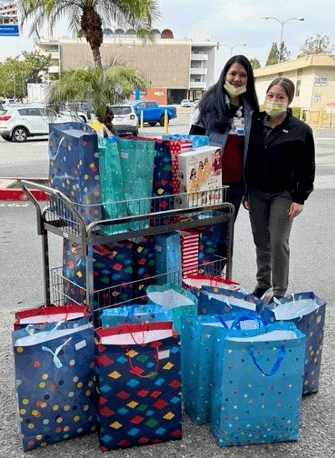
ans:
(9, 30)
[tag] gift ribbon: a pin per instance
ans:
(56, 360)
(275, 367)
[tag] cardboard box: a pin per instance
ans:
(200, 175)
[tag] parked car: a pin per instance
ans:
(153, 112)
(19, 122)
(186, 103)
(125, 119)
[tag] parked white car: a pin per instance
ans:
(186, 103)
(125, 119)
(17, 123)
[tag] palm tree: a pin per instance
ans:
(102, 86)
(88, 17)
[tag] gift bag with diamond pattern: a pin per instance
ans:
(138, 367)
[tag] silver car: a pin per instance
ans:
(17, 123)
(125, 119)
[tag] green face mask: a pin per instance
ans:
(274, 108)
(234, 91)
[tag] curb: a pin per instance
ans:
(19, 194)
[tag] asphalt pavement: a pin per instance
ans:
(312, 269)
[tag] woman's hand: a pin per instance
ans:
(295, 210)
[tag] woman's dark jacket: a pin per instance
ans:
(282, 158)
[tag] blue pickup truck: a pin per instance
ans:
(153, 112)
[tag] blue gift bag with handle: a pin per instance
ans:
(74, 169)
(197, 336)
(307, 311)
(257, 385)
(218, 301)
(138, 369)
(135, 313)
(55, 382)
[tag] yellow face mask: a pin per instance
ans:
(274, 108)
(234, 91)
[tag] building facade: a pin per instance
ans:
(184, 67)
(8, 12)
(312, 75)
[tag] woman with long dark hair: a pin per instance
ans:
(224, 114)
(279, 173)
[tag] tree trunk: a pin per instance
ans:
(92, 30)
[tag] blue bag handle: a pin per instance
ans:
(222, 321)
(237, 323)
(275, 367)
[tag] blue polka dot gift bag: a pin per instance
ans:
(257, 385)
(307, 311)
(139, 385)
(55, 382)
(74, 169)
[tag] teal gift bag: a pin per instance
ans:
(137, 163)
(172, 297)
(257, 385)
(112, 185)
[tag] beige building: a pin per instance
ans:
(313, 77)
(185, 67)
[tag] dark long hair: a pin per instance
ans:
(213, 107)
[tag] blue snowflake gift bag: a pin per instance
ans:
(139, 385)
(74, 169)
(257, 385)
(307, 312)
(55, 382)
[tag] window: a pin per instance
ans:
(297, 88)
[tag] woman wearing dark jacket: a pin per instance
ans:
(279, 173)
(225, 114)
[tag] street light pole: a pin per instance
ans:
(231, 47)
(265, 18)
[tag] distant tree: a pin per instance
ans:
(273, 55)
(103, 86)
(283, 54)
(316, 44)
(255, 63)
(87, 18)
(38, 63)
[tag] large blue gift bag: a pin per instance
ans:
(135, 313)
(307, 312)
(144, 264)
(139, 385)
(55, 382)
(168, 258)
(218, 301)
(197, 336)
(112, 272)
(74, 168)
(172, 297)
(49, 314)
(257, 388)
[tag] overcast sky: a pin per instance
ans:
(231, 22)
